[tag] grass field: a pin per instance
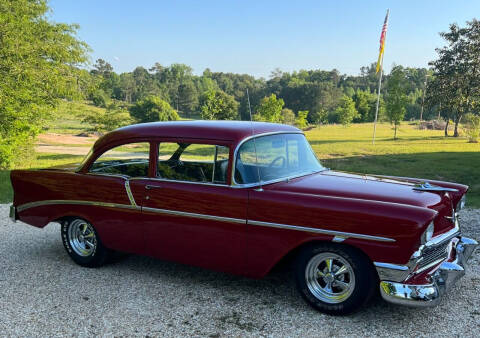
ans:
(69, 115)
(416, 153)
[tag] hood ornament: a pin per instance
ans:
(426, 186)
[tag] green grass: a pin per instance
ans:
(6, 193)
(417, 153)
(69, 116)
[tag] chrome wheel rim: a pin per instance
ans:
(330, 278)
(81, 237)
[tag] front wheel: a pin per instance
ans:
(82, 243)
(335, 279)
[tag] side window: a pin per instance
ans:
(205, 163)
(128, 159)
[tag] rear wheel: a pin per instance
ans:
(334, 279)
(82, 243)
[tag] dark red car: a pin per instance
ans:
(240, 197)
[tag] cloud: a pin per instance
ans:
(116, 58)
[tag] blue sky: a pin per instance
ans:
(255, 37)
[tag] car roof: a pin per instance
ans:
(234, 131)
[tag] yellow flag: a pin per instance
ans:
(383, 35)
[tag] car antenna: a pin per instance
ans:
(254, 142)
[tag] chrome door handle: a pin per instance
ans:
(149, 186)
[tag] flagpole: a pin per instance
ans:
(382, 49)
(378, 101)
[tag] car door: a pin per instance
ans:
(192, 214)
(118, 218)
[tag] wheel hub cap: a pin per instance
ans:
(330, 277)
(81, 237)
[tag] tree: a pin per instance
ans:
(472, 127)
(319, 117)
(153, 108)
(270, 109)
(102, 68)
(39, 62)
(288, 116)
(113, 118)
(457, 70)
(218, 105)
(346, 112)
(396, 98)
(99, 98)
(187, 97)
(365, 103)
(301, 120)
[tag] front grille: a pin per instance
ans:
(433, 254)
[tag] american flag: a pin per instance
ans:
(383, 35)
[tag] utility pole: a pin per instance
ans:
(423, 96)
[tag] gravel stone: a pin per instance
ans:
(44, 293)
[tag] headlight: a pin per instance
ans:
(428, 234)
(461, 203)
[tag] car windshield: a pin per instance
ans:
(274, 157)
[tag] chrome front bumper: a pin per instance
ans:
(13, 213)
(441, 280)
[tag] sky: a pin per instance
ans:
(256, 37)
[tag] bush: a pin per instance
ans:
(288, 116)
(113, 118)
(346, 112)
(301, 120)
(218, 105)
(472, 127)
(153, 108)
(99, 98)
(18, 148)
(270, 109)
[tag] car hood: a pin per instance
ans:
(367, 187)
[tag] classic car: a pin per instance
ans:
(241, 197)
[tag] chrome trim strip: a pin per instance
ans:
(391, 266)
(428, 266)
(445, 236)
(321, 231)
(129, 193)
(338, 239)
(177, 181)
(13, 213)
(391, 272)
(287, 178)
(74, 202)
(107, 175)
(207, 217)
(195, 215)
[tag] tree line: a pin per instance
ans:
(306, 96)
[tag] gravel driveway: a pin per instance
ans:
(42, 292)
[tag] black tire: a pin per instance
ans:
(339, 296)
(88, 250)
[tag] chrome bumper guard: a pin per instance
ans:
(442, 280)
(13, 213)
